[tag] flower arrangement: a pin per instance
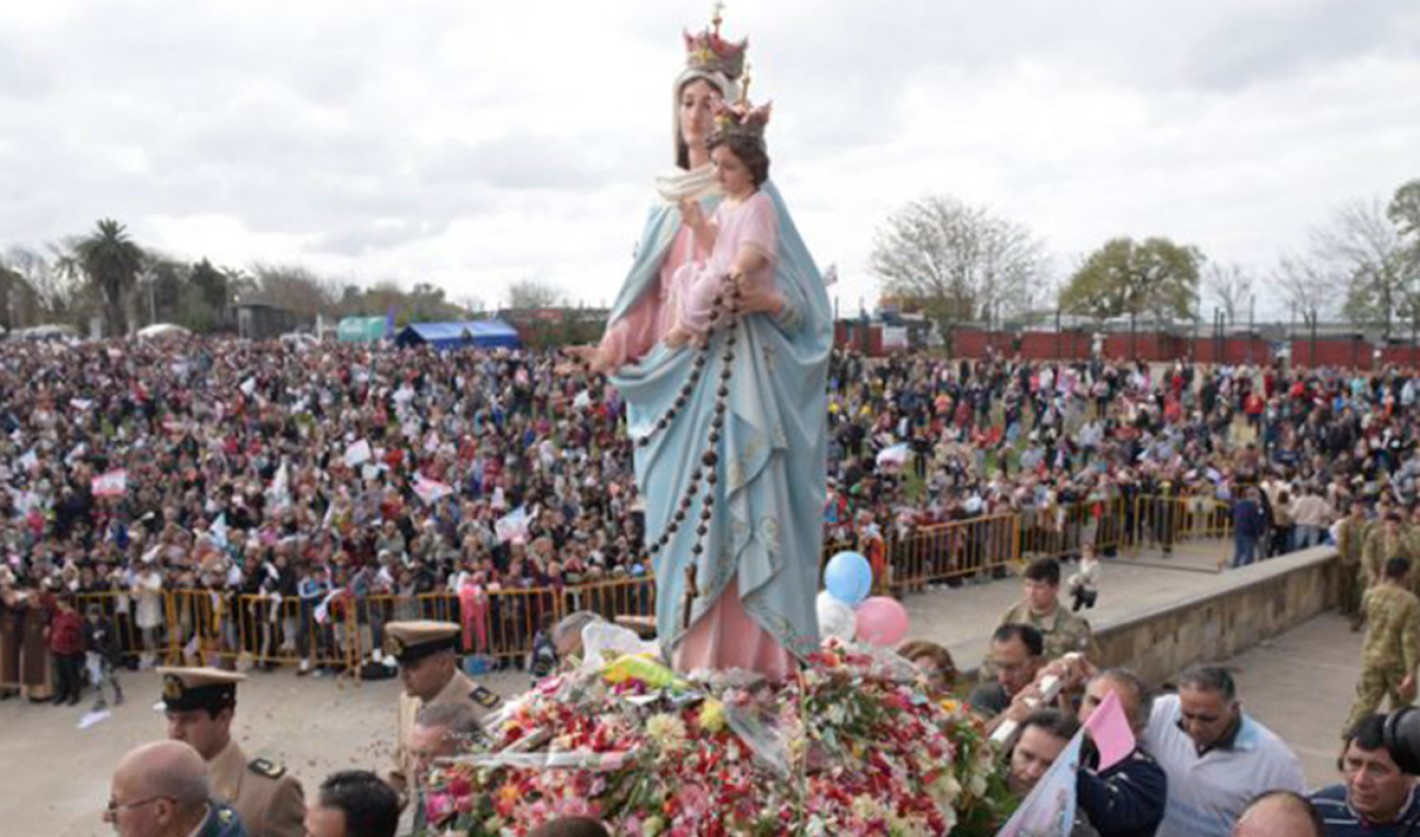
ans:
(852, 746)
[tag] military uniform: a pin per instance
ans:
(269, 801)
(1391, 650)
(408, 642)
(1381, 546)
(1351, 541)
(221, 821)
(1063, 632)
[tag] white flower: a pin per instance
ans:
(667, 731)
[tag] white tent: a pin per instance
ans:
(159, 330)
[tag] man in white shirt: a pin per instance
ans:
(1216, 757)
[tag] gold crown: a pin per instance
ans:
(741, 119)
(707, 51)
(173, 688)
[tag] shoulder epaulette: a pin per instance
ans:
(484, 698)
(267, 768)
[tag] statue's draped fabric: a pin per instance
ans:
(766, 535)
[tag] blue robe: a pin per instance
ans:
(767, 530)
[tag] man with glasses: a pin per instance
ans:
(1217, 758)
(1015, 657)
(1376, 797)
(200, 704)
(160, 790)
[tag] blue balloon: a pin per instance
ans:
(848, 577)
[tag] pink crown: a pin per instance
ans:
(708, 51)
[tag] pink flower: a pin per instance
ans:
(438, 807)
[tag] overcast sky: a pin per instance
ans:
(476, 143)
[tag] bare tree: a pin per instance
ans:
(1363, 246)
(533, 292)
(1229, 286)
(295, 289)
(1307, 285)
(958, 262)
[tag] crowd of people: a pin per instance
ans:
(320, 478)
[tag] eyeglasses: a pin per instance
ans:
(113, 807)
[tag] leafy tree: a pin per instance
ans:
(1404, 211)
(212, 286)
(957, 262)
(1155, 277)
(112, 262)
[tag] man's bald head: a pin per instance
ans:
(158, 790)
(169, 769)
(1279, 814)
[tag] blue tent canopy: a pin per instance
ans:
(484, 334)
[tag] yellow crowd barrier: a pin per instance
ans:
(948, 551)
(1060, 531)
(1160, 522)
(222, 628)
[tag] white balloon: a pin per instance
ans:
(835, 618)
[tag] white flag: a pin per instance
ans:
(512, 525)
(430, 491)
(358, 453)
(893, 457)
(280, 493)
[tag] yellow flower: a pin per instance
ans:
(652, 826)
(667, 731)
(712, 715)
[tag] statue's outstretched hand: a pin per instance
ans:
(592, 358)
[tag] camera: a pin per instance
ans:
(1402, 739)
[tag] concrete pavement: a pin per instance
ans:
(54, 777)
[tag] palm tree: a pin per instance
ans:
(112, 262)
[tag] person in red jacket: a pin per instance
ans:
(66, 642)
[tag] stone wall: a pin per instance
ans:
(1250, 605)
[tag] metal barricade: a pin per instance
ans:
(948, 551)
(1162, 521)
(120, 610)
(1061, 531)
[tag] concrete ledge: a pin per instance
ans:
(1247, 606)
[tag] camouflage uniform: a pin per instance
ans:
(1380, 547)
(1062, 631)
(1391, 649)
(1351, 540)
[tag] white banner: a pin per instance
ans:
(431, 491)
(111, 484)
(358, 453)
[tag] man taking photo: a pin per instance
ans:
(1375, 798)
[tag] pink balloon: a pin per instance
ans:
(881, 621)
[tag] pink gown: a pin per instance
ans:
(632, 336)
(752, 225)
(725, 636)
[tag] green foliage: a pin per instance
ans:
(112, 262)
(1155, 277)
